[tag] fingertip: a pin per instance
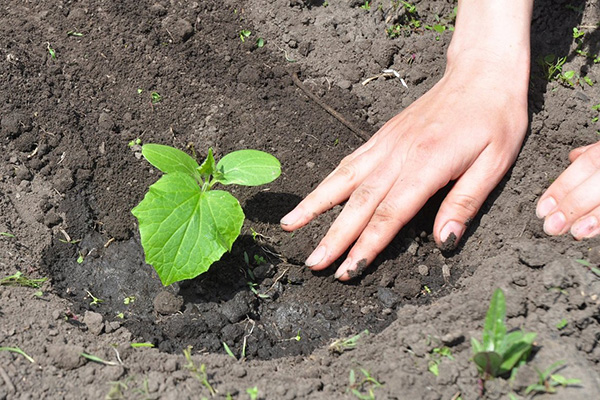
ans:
(450, 235)
(350, 270)
(575, 153)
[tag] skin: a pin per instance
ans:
(468, 128)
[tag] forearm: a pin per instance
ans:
(495, 33)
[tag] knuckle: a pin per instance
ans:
(362, 196)
(347, 172)
(386, 213)
(467, 203)
(593, 155)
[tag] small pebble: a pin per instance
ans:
(423, 269)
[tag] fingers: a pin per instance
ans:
(409, 194)
(354, 217)
(578, 151)
(334, 189)
(466, 198)
(572, 202)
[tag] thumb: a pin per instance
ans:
(465, 199)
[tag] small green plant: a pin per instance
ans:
(142, 345)
(228, 351)
(587, 264)
(562, 324)
(18, 279)
(198, 372)
(366, 384)
(245, 34)
(366, 6)
(252, 392)
(260, 42)
(134, 142)
(74, 33)
(51, 51)
(128, 300)
(18, 351)
(435, 358)
(7, 234)
(97, 359)
(259, 260)
(547, 381)
(95, 301)
(410, 8)
(341, 345)
(500, 351)
(184, 225)
(155, 97)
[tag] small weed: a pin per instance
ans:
(7, 234)
(252, 286)
(562, 324)
(366, 384)
(198, 372)
(252, 392)
(18, 351)
(259, 260)
(500, 351)
(74, 33)
(18, 279)
(97, 359)
(548, 381)
(95, 301)
(366, 6)
(51, 51)
(135, 142)
(435, 358)
(140, 90)
(155, 97)
(80, 258)
(228, 351)
(245, 34)
(144, 344)
(128, 300)
(341, 345)
(121, 315)
(260, 42)
(588, 265)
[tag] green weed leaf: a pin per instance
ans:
(488, 362)
(494, 329)
(183, 229)
(169, 159)
(516, 352)
(208, 166)
(248, 168)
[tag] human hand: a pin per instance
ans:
(572, 202)
(468, 128)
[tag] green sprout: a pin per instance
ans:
(366, 6)
(252, 392)
(141, 345)
(51, 51)
(341, 345)
(589, 265)
(7, 234)
(74, 33)
(435, 358)
(95, 301)
(547, 381)
(562, 324)
(155, 97)
(18, 279)
(244, 34)
(500, 351)
(18, 351)
(134, 142)
(228, 351)
(185, 226)
(260, 42)
(128, 300)
(367, 383)
(97, 359)
(198, 372)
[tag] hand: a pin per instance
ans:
(572, 202)
(468, 128)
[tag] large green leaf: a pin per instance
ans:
(169, 159)
(185, 230)
(494, 329)
(248, 168)
(516, 352)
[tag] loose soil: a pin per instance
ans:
(71, 173)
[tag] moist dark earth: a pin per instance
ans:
(78, 80)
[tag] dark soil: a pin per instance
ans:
(70, 178)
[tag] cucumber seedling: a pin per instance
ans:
(500, 351)
(184, 224)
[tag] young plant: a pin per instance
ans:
(500, 351)
(245, 34)
(435, 359)
(547, 381)
(18, 279)
(341, 345)
(185, 226)
(366, 384)
(198, 372)
(366, 6)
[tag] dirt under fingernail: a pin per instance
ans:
(359, 270)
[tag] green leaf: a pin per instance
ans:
(169, 159)
(476, 346)
(489, 362)
(208, 166)
(183, 229)
(517, 352)
(248, 168)
(561, 380)
(494, 329)
(18, 351)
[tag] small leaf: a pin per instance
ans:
(18, 351)
(97, 359)
(494, 329)
(517, 352)
(228, 351)
(185, 230)
(489, 362)
(138, 345)
(476, 346)
(208, 166)
(248, 168)
(561, 380)
(169, 159)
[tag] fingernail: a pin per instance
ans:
(292, 217)
(584, 227)
(545, 207)
(555, 223)
(343, 268)
(450, 234)
(316, 257)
